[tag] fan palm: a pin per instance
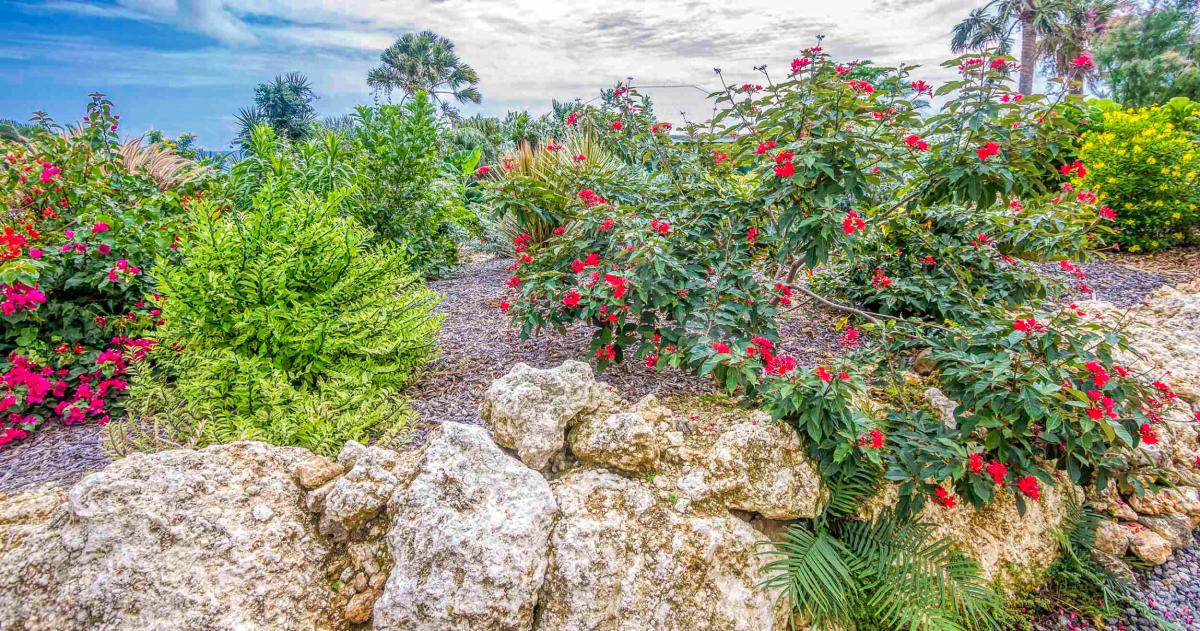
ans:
(285, 103)
(995, 25)
(425, 62)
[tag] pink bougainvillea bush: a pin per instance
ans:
(80, 232)
(924, 224)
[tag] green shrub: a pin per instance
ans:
(1145, 164)
(286, 323)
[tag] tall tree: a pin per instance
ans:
(1153, 55)
(1070, 38)
(996, 24)
(285, 103)
(425, 62)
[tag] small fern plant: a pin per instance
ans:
(888, 573)
(286, 322)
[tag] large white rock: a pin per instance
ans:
(469, 538)
(348, 502)
(215, 539)
(623, 559)
(529, 409)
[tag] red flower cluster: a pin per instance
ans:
(1148, 435)
(1029, 486)
(617, 125)
(783, 164)
(572, 118)
(721, 347)
(799, 64)
(981, 240)
(1106, 213)
(661, 227)
(850, 337)
(571, 299)
(873, 439)
(592, 260)
(1075, 168)
(483, 170)
(987, 150)
(618, 285)
(998, 472)
(853, 223)
(1083, 61)
(521, 242)
(785, 298)
(752, 234)
(880, 280)
(657, 127)
(864, 87)
(916, 142)
(944, 498)
(921, 87)
(579, 157)
(590, 197)
(1029, 325)
(763, 147)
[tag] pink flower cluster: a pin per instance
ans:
(19, 296)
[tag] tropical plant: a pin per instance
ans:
(285, 322)
(1153, 55)
(994, 26)
(161, 162)
(691, 264)
(81, 230)
(1067, 47)
(285, 104)
(425, 62)
(1144, 164)
(886, 573)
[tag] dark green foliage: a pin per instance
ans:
(425, 62)
(1154, 55)
(887, 573)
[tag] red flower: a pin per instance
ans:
(592, 260)
(752, 234)
(483, 170)
(559, 230)
(850, 337)
(853, 223)
(785, 169)
(799, 63)
(880, 280)
(572, 118)
(944, 498)
(876, 439)
(864, 87)
(1106, 213)
(505, 305)
(1029, 325)
(617, 125)
(607, 352)
(988, 150)
(1029, 486)
(921, 87)
(1148, 435)
(721, 347)
(1083, 61)
(764, 147)
(651, 360)
(975, 462)
(571, 299)
(513, 282)
(579, 157)
(606, 226)
(916, 142)
(823, 374)
(997, 471)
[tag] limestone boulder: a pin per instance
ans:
(757, 466)
(620, 558)
(215, 539)
(1113, 537)
(469, 537)
(348, 502)
(625, 441)
(529, 409)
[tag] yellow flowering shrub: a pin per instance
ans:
(1144, 164)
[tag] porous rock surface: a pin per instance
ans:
(529, 409)
(469, 538)
(179, 540)
(622, 559)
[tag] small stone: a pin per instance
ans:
(1150, 547)
(360, 582)
(358, 610)
(346, 575)
(262, 512)
(924, 363)
(316, 471)
(675, 439)
(378, 579)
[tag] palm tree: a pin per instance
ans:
(285, 104)
(425, 62)
(1079, 23)
(995, 24)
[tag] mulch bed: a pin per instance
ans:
(478, 346)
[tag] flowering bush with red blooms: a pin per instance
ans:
(689, 263)
(80, 232)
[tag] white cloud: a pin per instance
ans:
(529, 51)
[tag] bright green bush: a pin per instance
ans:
(286, 323)
(1145, 164)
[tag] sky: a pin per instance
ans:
(189, 65)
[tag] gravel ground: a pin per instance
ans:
(58, 453)
(1172, 590)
